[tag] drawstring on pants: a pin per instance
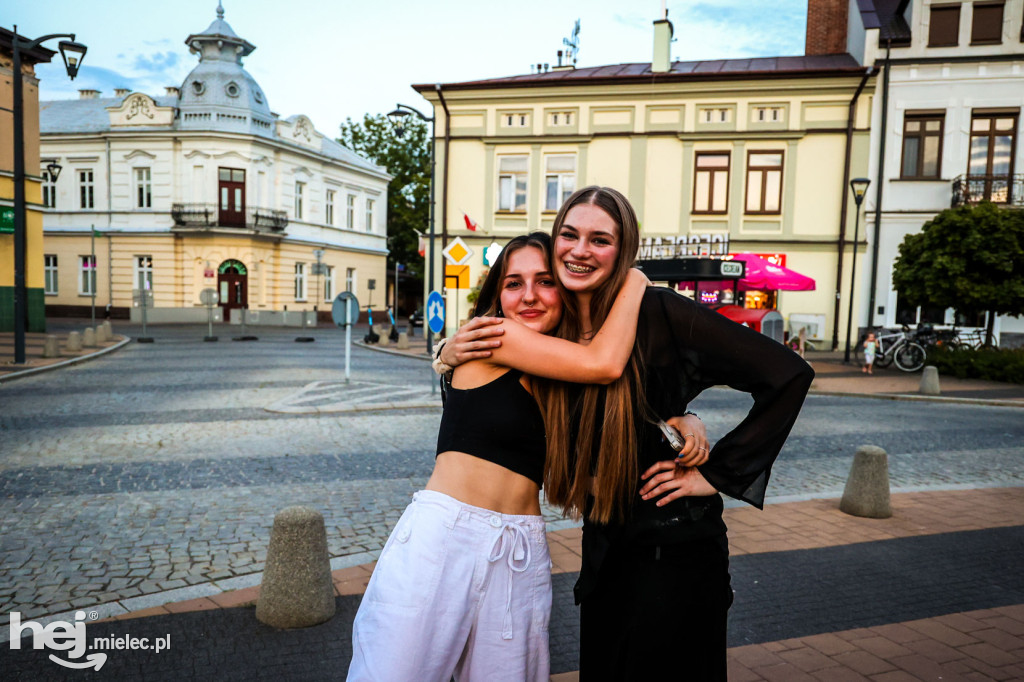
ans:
(518, 553)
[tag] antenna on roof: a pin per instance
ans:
(573, 43)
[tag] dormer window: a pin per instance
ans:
(232, 89)
(198, 87)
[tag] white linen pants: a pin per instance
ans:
(458, 590)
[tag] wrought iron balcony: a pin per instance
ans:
(1006, 190)
(208, 215)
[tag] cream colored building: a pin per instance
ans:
(205, 188)
(747, 152)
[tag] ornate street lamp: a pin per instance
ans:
(397, 118)
(859, 186)
(72, 53)
(53, 170)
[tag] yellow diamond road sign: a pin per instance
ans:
(457, 252)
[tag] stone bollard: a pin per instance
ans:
(297, 591)
(867, 488)
(101, 334)
(382, 333)
(50, 349)
(74, 344)
(89, 337)
(110, 330)
(930, 381)
(403, 341)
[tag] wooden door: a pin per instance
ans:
(231, 195)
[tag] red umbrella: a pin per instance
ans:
(764, 275)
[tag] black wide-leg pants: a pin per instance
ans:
(658, 613)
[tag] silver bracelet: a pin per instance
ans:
(438, 364)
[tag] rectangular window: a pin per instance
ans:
(716, 115)
(50, 274)
(768, 114)
(944, 26)
(86, 275)
(143, 188)
(369, 215)
(711, 183)
(515, 120)
(922, 145)
(512, 178)
(559, 180)
(764, 182)
(144, 273)
(86, 190)
(350, 212)
(560, 118)
(350, 280)
(329, 207)
(300, 281)
(991, 164)
(987, 24)
(49, 189)
(299, 188)
(329, 283)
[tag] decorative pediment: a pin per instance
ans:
(139, 153)
(232, 155)
(197, 153)
(299, 130)
(139, 109)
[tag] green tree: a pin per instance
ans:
(407, 158)
(969, 258)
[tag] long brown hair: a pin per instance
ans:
(489, 300)
(568, 472)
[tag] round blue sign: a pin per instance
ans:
(435, 312)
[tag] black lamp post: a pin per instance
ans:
(860, 188)
(398, 121)
(72, 54)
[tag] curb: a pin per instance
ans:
(391, 352)
(66, 363)
(910, 397)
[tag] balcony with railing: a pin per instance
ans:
(208, 215)
(1005, 190)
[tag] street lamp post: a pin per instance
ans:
(860, 188)
(72, 54)
(398, 120)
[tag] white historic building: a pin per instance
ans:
(951, 131)
(205, 187)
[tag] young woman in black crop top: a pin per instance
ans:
(463, 585)
(654, 588)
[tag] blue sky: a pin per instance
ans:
(333, 60)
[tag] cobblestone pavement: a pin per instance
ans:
(161, 466)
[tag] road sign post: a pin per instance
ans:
(345, 313)
(435, 323)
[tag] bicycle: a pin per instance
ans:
(899, 348)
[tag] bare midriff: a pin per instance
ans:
(480, 483)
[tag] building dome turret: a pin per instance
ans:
(219, 94)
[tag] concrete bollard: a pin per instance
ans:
(297, 591)
(867, 488)
(50, 349)
(101, 334)
(74, 344)
(403, 341)
(89, 338)
(930, 381)
(110, 330)
(382, 333)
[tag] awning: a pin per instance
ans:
(762, 275)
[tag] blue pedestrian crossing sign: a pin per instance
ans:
(435, 312)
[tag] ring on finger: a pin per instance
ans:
(687, 435)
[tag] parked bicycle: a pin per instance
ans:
(901, 348)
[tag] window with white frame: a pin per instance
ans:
(369, 215)
(143, 188)
(300, 187)
(716, 115)
(768, 114)
(512, 179)
(86, 275)
(559, 180)
(50, 274)
(329, 283)
(764, 182)
(350, 211)
(144, 273)
(520, 119)
(49, 189)
(329, 207)
(560, 118)
(300, 281)
(86, 189)
(711, 183)
(350, 280)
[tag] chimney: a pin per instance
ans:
(662, 62)
(826, 27)
(173, 91)
(122, 92)
(88, 94)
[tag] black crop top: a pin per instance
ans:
(499, 422)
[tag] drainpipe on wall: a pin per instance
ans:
(444, 175)
(110, 224)
(845, 203)
(878, 189)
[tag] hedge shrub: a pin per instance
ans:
(993, 364)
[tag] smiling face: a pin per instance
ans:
(586, 248)
(529, 293)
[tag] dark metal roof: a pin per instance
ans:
(761, 67)
(888, 16)
(34, 56)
